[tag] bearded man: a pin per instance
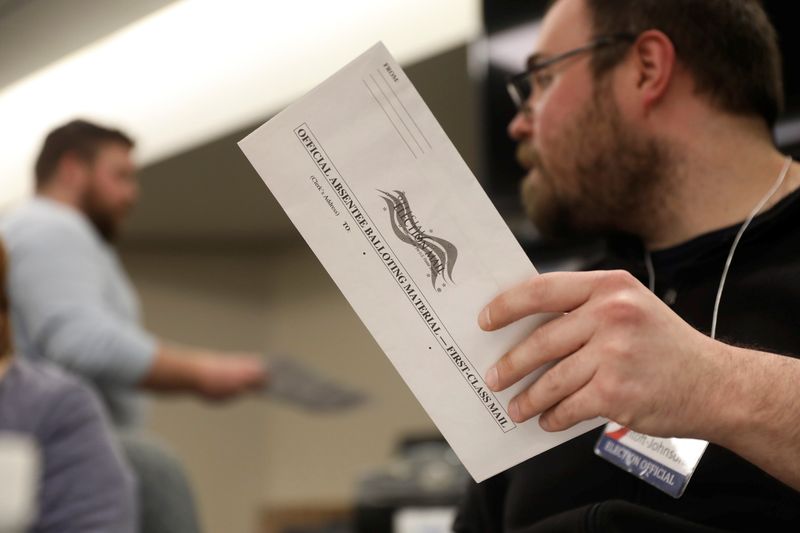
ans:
(649, 122)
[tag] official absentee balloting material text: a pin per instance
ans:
(377, 190)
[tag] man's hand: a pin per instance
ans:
(212, 375)
(619, 353)
(219, 376)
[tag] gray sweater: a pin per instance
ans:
(73, 304)
(84, 486)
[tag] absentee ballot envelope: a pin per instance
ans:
(384, 200)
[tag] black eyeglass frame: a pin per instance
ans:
(519, 86)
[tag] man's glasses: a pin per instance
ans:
(521, 86)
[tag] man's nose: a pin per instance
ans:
(521, 126)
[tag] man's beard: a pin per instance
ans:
(600, 177)
(101, 216)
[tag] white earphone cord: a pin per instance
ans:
(756, 210)
(648, 261)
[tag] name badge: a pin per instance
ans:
(665, 463)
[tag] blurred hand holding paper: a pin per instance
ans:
(382, 197)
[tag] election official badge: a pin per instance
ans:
(665, 463)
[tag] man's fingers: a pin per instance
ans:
(555, 292)
(556, 339)
(558, 292)
(560, 382)
(576, 408)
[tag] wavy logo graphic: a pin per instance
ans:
(439, 254)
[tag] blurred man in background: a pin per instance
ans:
(649, 122)
(71, 300)
(73, 304)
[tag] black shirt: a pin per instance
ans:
(760, 308)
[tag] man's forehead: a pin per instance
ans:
(114, 149)
(114, 153)
(565, 26)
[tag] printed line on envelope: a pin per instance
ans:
(394, 108)
(384, 75)
(388, 116)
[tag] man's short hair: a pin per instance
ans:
(729, 46)
(80, 138)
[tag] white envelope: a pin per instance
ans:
(382, 197)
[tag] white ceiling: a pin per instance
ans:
(35, 33)
(190, 71)
(201, 191)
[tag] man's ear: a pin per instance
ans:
(72, 171)
(654, 61)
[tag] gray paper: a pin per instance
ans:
(290, 381)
